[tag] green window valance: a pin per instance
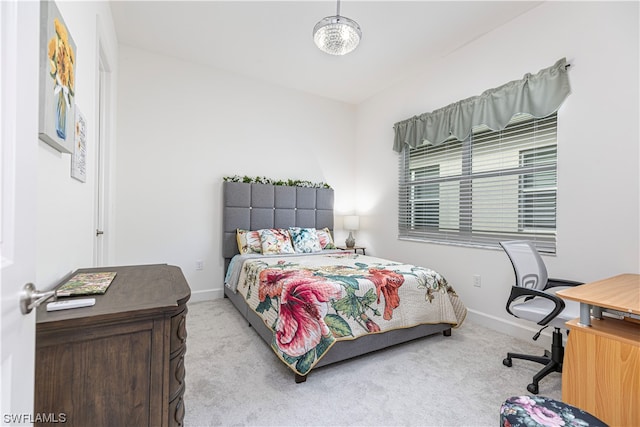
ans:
(539, 95)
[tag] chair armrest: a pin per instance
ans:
(552, 283)
(519, 292)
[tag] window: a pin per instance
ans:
(425, 210)
(493, 186)
(537, 191)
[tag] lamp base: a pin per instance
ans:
(350, 242)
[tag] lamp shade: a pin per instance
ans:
(351, 222)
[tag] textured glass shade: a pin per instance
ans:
(337, 35)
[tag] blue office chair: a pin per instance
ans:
(533, 298)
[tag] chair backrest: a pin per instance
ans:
(530, 269)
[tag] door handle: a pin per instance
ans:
(99, 232)
(31, 298)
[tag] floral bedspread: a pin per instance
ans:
(311, 301)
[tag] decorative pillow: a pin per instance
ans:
(305, 240)
(326, 241)
(248, 242)
(275, 241)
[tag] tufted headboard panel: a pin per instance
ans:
(256, 206)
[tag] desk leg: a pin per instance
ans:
(585, 314)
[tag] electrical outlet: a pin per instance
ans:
(199, 265)
(476, 280)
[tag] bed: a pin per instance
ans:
(323, 306)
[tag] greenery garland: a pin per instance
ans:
(265, 180)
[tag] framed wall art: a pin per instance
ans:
(57, 80)
(79, 155)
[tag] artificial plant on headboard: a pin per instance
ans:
(264, 180)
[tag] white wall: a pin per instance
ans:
(183, 127)
(65, 226)
(598, 147)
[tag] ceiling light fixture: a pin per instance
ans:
(337, 35)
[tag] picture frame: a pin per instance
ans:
(79, 155)
(57, 80)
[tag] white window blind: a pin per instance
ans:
(493, 186)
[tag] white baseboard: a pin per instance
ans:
(508, 327)
(206, 295)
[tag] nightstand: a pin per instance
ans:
(355, 249)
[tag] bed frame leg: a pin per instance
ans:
(447, 332)
(300, 378)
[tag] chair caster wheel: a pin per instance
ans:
(507, 362)
(532, 388)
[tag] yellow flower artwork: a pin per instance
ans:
(61, 60)
(57, 116)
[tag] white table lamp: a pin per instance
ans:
(351, 223)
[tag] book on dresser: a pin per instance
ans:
(94, 283)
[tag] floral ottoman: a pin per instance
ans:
(534, 411)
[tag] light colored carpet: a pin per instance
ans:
(234, 379)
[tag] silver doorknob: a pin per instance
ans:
(31, 298)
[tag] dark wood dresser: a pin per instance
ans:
(120, 362)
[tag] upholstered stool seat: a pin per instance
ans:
(533, 411)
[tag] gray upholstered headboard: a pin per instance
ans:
(256, 206)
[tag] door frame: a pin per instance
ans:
(104, 110)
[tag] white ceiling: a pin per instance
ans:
(272, 41)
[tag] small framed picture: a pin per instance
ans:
(79, 155)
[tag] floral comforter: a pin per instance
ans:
(312, 301)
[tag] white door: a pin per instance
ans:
(19, 23)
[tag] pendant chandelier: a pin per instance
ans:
(337, 35)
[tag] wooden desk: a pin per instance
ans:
(601, 369)
(621, 293)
